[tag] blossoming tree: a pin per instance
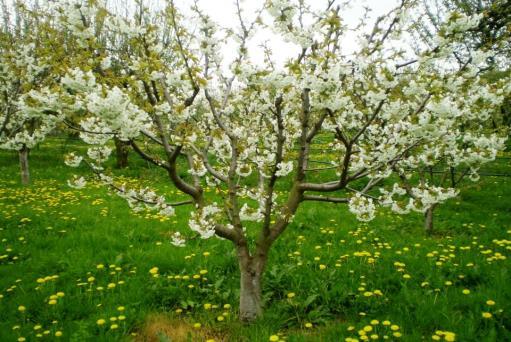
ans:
(486, 33)
(248, 129)
(26, 71)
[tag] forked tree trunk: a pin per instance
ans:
(24, 169)
(428, 219)
(121, 151)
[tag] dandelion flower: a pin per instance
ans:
(449, 336)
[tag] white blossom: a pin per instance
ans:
(77, 182)
(203, 221)
(177, 240)
(73, 160)
(362, 206)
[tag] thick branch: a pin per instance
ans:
(318, 198)
(145, 156)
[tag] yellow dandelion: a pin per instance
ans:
(487, 315)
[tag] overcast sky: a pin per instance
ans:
(223, 12)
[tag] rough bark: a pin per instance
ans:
(250, 295)
(24, 169)
(121, 151)
(251, 272)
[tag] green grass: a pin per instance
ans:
(69, 232)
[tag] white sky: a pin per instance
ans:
(223, 12)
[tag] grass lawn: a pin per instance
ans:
(80, 264)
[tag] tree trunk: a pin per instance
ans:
(453, 179)
(121, 150)
(251, 272)
(25, 173)
(428, 219)
(250, 296)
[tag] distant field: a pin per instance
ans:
(78, 265)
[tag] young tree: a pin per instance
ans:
(86, 40)
(247, 129)
(490, 34)
(25, 66)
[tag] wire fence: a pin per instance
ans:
(500, 167)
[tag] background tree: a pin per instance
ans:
(85, 42)
(246, 130)
(492, 33)
(26, 65)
